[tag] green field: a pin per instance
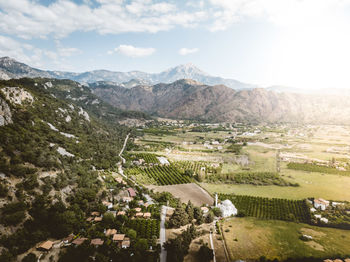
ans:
(333, 187)
(250, 238)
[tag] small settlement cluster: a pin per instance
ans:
(130, 208)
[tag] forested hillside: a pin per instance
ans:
(54, 134)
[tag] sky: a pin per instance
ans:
(296, 43)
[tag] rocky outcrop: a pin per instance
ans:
(5, 113)
(17, 95)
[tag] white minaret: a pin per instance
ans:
(216, 200)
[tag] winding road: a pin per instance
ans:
(162, 234)
(164, 208)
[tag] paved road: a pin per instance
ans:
(211, 240)
(162, 234)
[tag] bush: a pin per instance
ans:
(30, 258)
(205, 254)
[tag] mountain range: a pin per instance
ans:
(10, 68)
(195, 99)
(189, 99)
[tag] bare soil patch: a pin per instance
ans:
(185, 192)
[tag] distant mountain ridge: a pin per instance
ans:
(188, 99)
(10, 68)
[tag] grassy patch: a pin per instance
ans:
(251, 238)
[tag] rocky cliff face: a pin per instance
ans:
(5, 113)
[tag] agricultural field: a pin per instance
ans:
(161, 175)
(147, 157)
(270, 208)
(187, 148)
(251, 238)
(145, 228)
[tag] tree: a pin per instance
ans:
(179, 217)
(188, 172)
(217, 212)
(30, 258)
(197, 212)
(189, 211)
(132, 233)
(200, 220)
(209, 218)
(205, 254)
(141, 245)
(108, 220)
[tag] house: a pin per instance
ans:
(227, 208)
(95, 214)
(140, 202)
(118, 237)
(45, 246)
(110, 232)
(89, 219)
(96, 242)
(119, 180)
(146, 205)
(324, 220)
(139, 214)
(321, 203)
(137, 209)
(163, 161)
(131, 192)
(313, 209)
(121, 213)
(107, 204)
(68, 239)
(127, 199)
(147, 215)
(318, 216)
(205, 210)
(98, 219)
(79, 241)
(126, 243)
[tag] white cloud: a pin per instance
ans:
(37, 57)
(132, 51)
(287, 13)
(30, 19)
(187, 51)
(12, 48)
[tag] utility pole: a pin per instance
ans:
(278, 160)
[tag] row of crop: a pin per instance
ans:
(270, 208)
(145, 228)
(253, 178)
(194, 166)
(161, 175)
(316, 168)
(166, 175)
(147, 157)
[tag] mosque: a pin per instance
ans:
(226, 207)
